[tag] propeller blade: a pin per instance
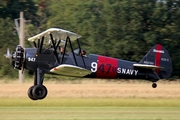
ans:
(8, 54)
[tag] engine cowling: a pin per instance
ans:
(18, 58)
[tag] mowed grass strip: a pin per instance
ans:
(117, 89)
(121, 101)
(91, 102)
(134, 93)
(89, 113)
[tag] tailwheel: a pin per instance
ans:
(39, 91)
(31, 96)
(154, 85)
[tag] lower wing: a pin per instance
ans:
(70, 70)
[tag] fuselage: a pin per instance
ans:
(100, 66)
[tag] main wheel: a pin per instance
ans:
(30, 93)
(39, 91)
(154, 85)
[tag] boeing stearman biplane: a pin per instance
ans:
(45, 58)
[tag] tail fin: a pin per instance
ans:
(159, 56)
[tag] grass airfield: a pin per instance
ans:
(92, 100)
(89, 113)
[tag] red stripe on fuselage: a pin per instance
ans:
(107, 67)
(158, 57)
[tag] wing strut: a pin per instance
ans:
(62, 58)
(58, 44)
(55, 51)
(38, 47)
(35, 44)
(72, 50)
(38, 43)
(41, 44)
(80, 51)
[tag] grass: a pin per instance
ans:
(89, 113)
(92, 101)
(90, 109)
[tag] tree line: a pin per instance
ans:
(124, 29)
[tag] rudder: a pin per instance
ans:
(159, 56)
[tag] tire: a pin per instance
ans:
(39, 91)
(154, 85)
(30, 95)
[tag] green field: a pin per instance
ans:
(92, 101)
(89, 113)
(90, 109)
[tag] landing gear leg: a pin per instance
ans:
(38, 91)
(154, 85)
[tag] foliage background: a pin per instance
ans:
(124, 29)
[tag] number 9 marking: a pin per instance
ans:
(93, 67)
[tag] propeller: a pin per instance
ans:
(8, 54)
(18, 58)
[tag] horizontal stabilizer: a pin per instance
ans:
(70, 70)
(148, 66)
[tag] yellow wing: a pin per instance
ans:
(70, 70)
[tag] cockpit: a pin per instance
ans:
(54, 39)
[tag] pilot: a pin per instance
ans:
(61, 50)
(83, 53)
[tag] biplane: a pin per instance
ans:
(45, 58)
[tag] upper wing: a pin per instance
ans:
(58, 34)
(148, 66)
(70, 70)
